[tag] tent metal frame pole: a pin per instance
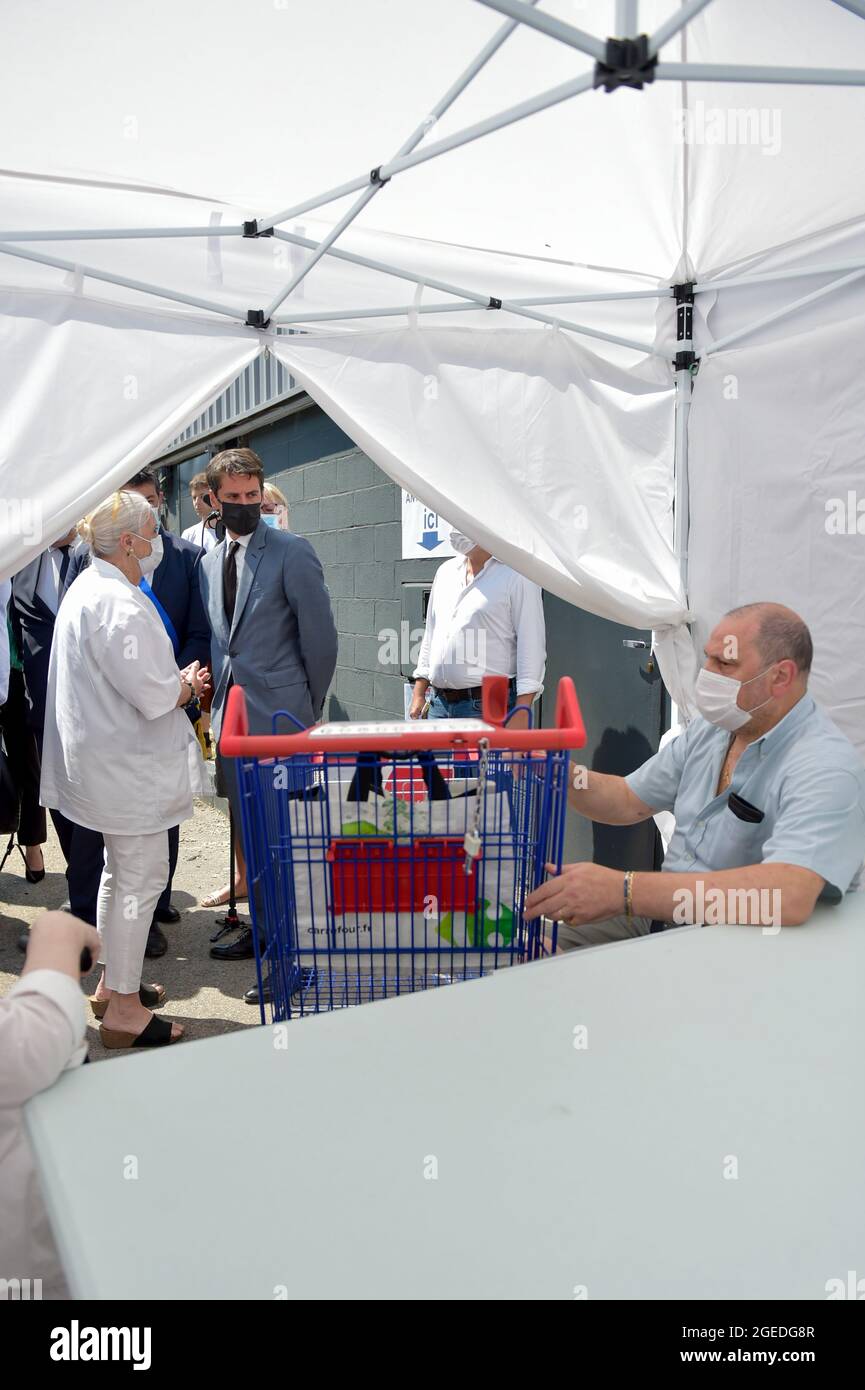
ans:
(89, 273)
(322, 316)
(120, 233)
(732, 72)
(556, 28)
(675, 24)
(856, 7)
(552, 97)
(441, 106)
(838, 268)
(489, 302)
(626, 19)
(734, 337)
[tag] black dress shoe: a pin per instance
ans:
(242, 948)
(157, 942)
(252, 996)
(167, 914)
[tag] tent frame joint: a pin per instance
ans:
(251, 229)
(627, 63)
(255, 318)
(494, 303)
(375, 177)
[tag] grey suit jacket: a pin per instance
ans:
(282, 643)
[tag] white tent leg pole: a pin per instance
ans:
(782, 312)
(547, 24)
(681, 504)
(407, 146)
(90, 273)
(675, 23)
(730, 72)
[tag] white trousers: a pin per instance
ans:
(133, 877)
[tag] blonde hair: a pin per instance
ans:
(122, 511)
(275, 495)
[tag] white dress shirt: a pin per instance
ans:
(492, 625)
(48, 583)
(117, 750)
(42, 1031)
(201, 535)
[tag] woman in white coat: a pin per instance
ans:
(117, 749)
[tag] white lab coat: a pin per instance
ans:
(42, 1031)
(117, 753)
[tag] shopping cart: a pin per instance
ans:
(385, 858)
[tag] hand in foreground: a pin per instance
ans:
(57, 940)
(580, 893)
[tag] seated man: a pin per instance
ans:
(768, 795)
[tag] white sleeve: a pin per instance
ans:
(421, 671)
(42, 1029)
(527, 612)
(132, 657)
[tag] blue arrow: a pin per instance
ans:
(430, 539)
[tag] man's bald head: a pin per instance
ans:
(768, 648)
(778, 633)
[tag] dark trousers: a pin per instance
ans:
(22, 751)
(84, 861)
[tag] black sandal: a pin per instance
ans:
(151, 996)
(156, 1034)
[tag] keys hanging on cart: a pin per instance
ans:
(472, 841)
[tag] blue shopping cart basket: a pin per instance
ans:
(389, 857)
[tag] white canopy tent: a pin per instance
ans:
(600, 308)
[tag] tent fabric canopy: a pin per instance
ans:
(563, 403)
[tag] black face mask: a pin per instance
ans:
(241, 517)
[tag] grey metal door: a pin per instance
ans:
(623, 713)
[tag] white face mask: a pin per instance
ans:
(460, 543)
(716, 697)
(148, 563)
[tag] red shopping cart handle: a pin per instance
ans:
(410, 735)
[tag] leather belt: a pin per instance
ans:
(474, 692)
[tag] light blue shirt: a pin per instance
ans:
(804, 775)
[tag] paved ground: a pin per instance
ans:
(205, 995)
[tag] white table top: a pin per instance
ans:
(302, 1167)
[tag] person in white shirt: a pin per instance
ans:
(118, 749)
(42, 1031)
(483, 619)
(5, 595)
(201, 534)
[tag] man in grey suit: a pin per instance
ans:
(272, 628)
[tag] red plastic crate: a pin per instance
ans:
(377, 875)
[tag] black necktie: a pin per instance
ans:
(64, 565)
(229, 580)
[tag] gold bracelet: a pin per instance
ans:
(629, 894)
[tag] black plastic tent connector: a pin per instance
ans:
(683, 361)
(684, 294)
(375, 176)
(255, 318)
(494, 303)
(626, 64)
(250, 229)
